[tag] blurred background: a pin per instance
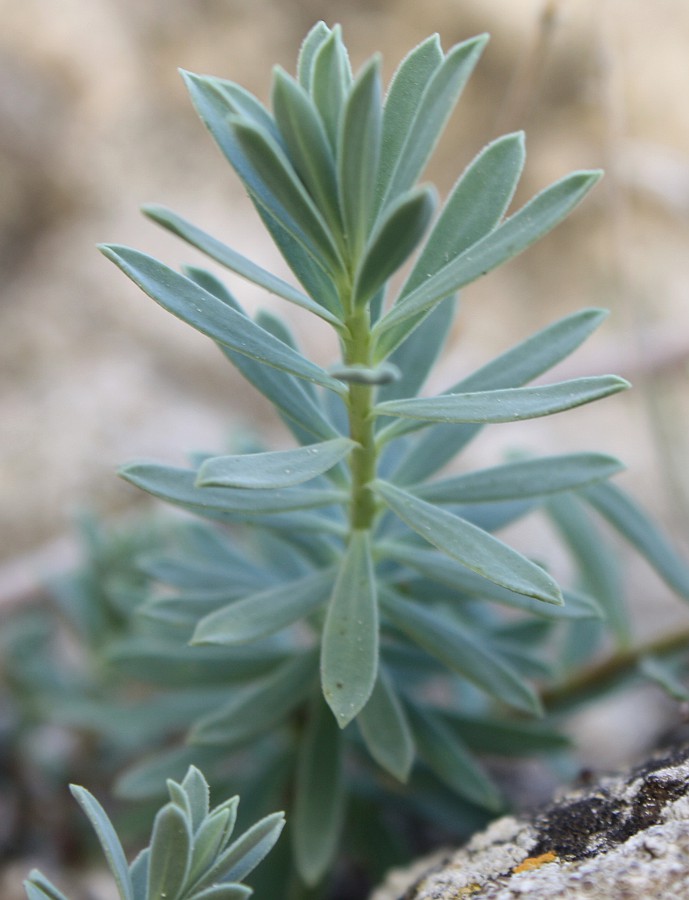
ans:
(94, 120)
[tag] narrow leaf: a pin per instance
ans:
(274, 469)
(397, 235)
(635, 525)
(198, 792)
(385, 729)
(461, 651)
(469, 545)
(38, 887)
(209, 315)
(108, 839)
(209, 842)
(522, 479)
(524, 228)
(432, 112)
(258, 706)
(517, 366)
(441, 569)
(508, 405)
(178, 486)
(402, 104)
(235, 863)
(310, 45)
(234, 261)
(358, 153)
(307, 144)
(266, 612)
(349, 646)
(316, 821)
(223, 892)
(170, 856)
(665, 673)
(330, 79)
(449, 758)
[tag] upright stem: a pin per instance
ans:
(357, 351)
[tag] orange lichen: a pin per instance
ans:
(535, 862)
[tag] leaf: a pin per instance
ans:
(486, 734)
(209, 315)
(264, 613)
(665, 674)
(210, 839)
(258, 706)
(310, 45)
(235, 863)
(448, 757)
(349, 645)
(416, 356)
(521, 479)
(307, 145)
(385, 729)
(197, 790)
(38, 887)
(400, 230)
(223, 892)
(138, 872)
(108, 839)
(358, 151)
(443, 570)
(145, 780)
(316, 820)
(469, 545)
(402, 103)
(275, 469)
(532, 222)
(508, 405)
(475, 206)
(431, 114)
(178, 486)
(599, 575)
(518, 365)
(634, 524)
(458, 649)
(330, 79)
(170, 856)
(234, 261)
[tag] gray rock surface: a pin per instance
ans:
(625, 837)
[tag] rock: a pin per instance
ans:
(624, 837)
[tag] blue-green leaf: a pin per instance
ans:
(469, 545)
(521, 479)
(349, 646)
(309, 47)
(432, 111)
(209, 840)
(441, 569)
(524, 228)
(208, 314)
(307, 144)
(198, 792)
(316, 820)
(235, 863)
(274, 469)
(397, 235)
(518, 365)
(448, 757)
(223, 892)
(170, 856)
(402, 104)
(331, 76)
(357, 155)
(635, 525)
(38, 887)
(508, 405)
(178, 486)
(108, 839)
(266, 612)
(259, 705)
(461, 651)
(666, 674)
(234, 261)
(385, 729)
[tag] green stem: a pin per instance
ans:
(604, 676)
(357, 351)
